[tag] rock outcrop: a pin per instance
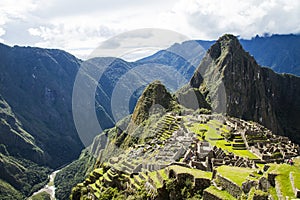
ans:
(235, 84)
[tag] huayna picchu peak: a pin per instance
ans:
(238, 143)
(236, 85)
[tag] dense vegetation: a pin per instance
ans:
(22, 175)
(72, 174)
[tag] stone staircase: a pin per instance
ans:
(238, 142)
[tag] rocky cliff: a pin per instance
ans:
(235, 84)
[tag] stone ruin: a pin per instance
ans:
(204, 157)
(263, 143)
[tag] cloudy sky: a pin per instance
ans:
(78, 26)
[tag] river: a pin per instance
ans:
(49, 188)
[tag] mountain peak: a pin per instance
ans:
(155, 95)
(235, 84)
(227, 44)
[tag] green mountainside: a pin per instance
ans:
(189, 153)
(19, 153)
(37, 84)
(191, 157)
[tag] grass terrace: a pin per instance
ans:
(236, 174)
(153, 176)
(222, 194)
(195, 172)
(214, 137)
(283, 178)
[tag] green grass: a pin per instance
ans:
(98, 171)
(132, 182)
(251, 193)
(212, 133)
(283, 178)
(138, 178)
(272, 191)
(105, 176)
(156, 181)
(296, 176)
(195, 172)
(236, 174)
(222, 194)
(163, 174)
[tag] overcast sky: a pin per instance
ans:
(78, 26)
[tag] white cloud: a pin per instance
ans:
(2, 32)
(212, 18)
(79, 26)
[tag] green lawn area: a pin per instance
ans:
(212, 134)
(222, 194)
(272, 191)
(236, 174)
(195, 172)
(296, 176)
(283, 178)
(156, 181)
(163, 174)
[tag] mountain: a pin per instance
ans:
(171, 155)
(278, 52)
(236, 85)
(154, 95)
(37, 127)
(18, 153)
(183, 57)
(37, 131)
(37, 85)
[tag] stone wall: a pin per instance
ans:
(296, 190)
(202, 183)
(199, 165)
(260, 197)
(209, 196)
(182, 177)
(278, 192)
(229, 186)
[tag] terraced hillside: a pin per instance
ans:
(194, 156)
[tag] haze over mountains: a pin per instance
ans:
(37, 128)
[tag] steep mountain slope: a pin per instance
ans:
(235, 84)
(37, 84)
(14, 139)
(114, 141)
(19, 175)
